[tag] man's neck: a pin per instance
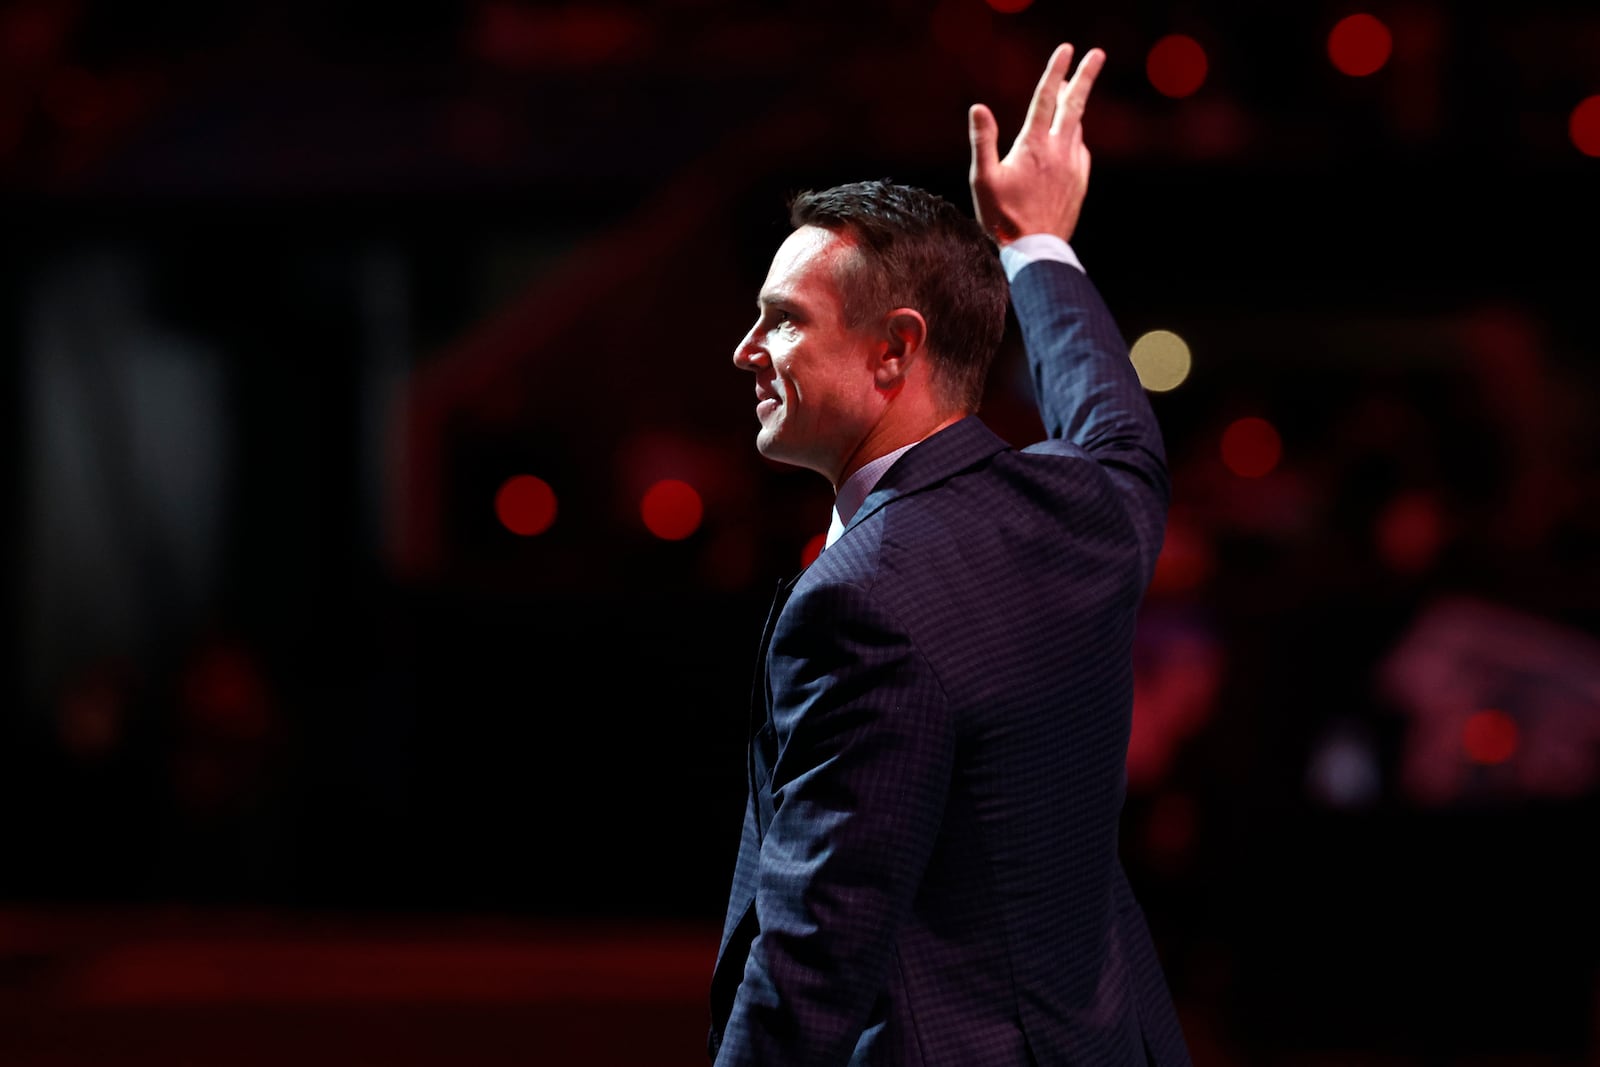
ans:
(884, 440)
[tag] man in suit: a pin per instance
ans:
(928, 872)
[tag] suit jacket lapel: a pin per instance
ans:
(760, 689)
(952, 450)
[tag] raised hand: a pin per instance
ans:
(1039, 187)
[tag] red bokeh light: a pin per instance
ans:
(1409, 532)
(1490, 736)
(524, 36)
(1176, 65)
(1359, 45)
(812, 550)
(1186, 558)
(1170, 831)
(1010, 7)
(526, 505)
(1584, 126)
(1251, 447)
(225, 691)
(94, 707)
(671, 509)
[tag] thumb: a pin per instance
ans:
(983, 131)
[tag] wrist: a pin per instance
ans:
(1032, 247)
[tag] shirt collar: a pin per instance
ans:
(853, 493)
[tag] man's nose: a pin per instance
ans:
(747, 352)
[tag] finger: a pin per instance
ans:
(984, 133)
(1062, 112)
(1042, 108)
(1074, 143)
(1074, 94)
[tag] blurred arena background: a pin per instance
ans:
(387, 543)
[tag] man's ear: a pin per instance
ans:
(906, 337)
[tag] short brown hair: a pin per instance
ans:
(917, 250)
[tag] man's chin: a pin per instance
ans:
(769, 448)
(772, 450)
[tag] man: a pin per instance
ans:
(928, 872)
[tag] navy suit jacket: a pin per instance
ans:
(928, 870)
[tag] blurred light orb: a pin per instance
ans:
(671, 509)
(1409, 532)
(1170, 830)
(1344, 771)
(813, 549)
(525, 505)
(1251, 447)
(1161, 359)
(1187, 557)
(1359, 45)
(1010, 7)
(1584, 126)
(1490, 736)
(1176, 65)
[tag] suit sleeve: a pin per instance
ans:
(1089, 394)
(865, 754)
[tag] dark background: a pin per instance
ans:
(290, 289)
